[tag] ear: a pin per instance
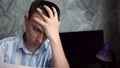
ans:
(26, 20)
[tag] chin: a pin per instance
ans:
(37, 44)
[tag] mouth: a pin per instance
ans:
(36, 43)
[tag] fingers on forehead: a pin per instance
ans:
(39, 21)
(55, 11)
(41, 14)
(49, 10)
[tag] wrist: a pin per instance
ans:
(55, 40)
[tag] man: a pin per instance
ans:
(40, 46)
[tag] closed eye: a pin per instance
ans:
(37, 29)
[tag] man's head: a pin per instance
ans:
(35, 34)
(40, 4)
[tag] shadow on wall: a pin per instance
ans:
(114, 26)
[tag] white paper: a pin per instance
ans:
(8, 65)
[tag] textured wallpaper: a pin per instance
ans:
(76, 15)
(82, 15)
(11, 16)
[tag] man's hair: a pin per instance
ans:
(40, 4)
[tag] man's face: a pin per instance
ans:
(34, 32)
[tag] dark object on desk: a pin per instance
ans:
(81, 47)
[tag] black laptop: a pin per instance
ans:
(81, 47)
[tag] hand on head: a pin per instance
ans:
(50, 24)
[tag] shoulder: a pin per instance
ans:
(9, 40)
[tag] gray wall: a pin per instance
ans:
(11, 16)
(76, 15)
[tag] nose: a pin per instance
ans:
(39, 39)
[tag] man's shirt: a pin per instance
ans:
(13, 50)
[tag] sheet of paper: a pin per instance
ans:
(8, 65)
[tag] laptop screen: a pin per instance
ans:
(81, 47)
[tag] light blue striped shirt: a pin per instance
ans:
(12, 50)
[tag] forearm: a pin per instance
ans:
(59, 59)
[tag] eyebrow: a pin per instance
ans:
(39, 29)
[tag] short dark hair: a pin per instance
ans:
(40, 4)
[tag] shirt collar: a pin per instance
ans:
(42, 48)
(22, 47)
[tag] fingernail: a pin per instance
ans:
(38, 9)
(44, 5)
(53, 7)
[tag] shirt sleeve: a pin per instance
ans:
(1, 53)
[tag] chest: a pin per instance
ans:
(21, 58)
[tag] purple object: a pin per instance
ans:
(105, 54)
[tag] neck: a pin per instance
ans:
(29, 46)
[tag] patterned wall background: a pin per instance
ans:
(76, 15)
(11, 16)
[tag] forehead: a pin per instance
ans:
(36, 15)
(33, 22)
